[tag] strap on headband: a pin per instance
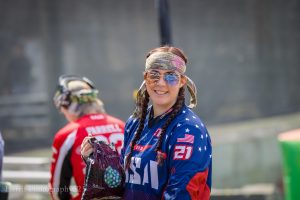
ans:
(193, 92)
(139, 100)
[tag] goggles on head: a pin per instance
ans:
(64, 96)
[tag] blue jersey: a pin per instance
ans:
(186, 171)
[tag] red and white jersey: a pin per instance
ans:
(66, 158)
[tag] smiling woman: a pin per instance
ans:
(166, 141)
(163, 92)
(167, 150)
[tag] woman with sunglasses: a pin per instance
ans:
(167, 149)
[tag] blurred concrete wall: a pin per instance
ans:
(243, 55)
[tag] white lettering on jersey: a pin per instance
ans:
(182, 152)
(110, 128)
(145, 179)
(112, 138)
(96, 117)
(135, 178)
(154, 174)
(115, 138)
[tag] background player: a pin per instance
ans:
(76, 98)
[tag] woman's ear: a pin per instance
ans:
(182, 81)
(144, 74)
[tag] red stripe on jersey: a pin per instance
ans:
(187, 138)
(197, 187)
(141, 148)
(157, 132)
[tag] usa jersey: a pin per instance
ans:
(66, 158)
(186, 171)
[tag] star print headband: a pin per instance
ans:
(165, 61)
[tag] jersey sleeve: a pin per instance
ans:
(61, 168)
(189, 163)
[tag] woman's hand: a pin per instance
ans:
(86, 148)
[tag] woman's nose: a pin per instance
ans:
(161, 80)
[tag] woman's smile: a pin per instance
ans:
(160, 92)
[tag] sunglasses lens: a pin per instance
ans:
(171, 79)
(154, 77)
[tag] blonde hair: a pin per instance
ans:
(91, 104)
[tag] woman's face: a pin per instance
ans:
(163, 87)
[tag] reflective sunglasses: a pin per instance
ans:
(171, 78)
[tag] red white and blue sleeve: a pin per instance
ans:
(190, 162)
